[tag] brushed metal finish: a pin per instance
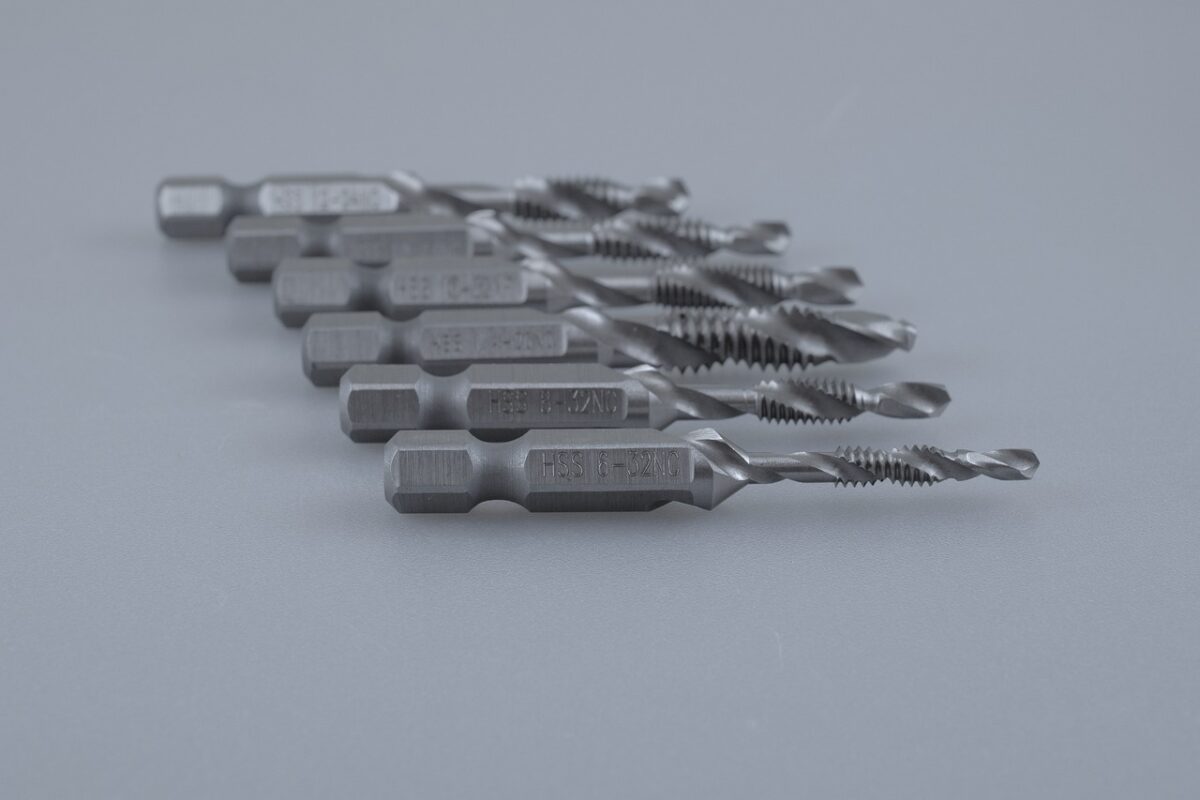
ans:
(256, 245)
(503, 400)
(448, 341)
(407, 286)
(623, 470)
(631, 235)
(201, 207)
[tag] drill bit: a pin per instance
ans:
(630, 235)
(616, 470)
(201, 207)
(501, 400)
(447, 341)
(406, 287)
(255, 246)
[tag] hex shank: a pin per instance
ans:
(255, 246)
(201, 207)
(492, 400)
(546, 470)
(444, 342)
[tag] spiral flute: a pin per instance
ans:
(502, 400)
(631, 235)
(787, 334)
(406, 287)
(201, 207)
(447, 341)
(618, 470)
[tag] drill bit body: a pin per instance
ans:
(255, 246)
(497, 401)
(406, 287)
(202, 207)
(684, 338)
(616, 470)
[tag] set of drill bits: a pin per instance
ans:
(530, 343)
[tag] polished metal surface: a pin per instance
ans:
(683, 338)
(406, 287)
(504, 400)
(200, 207)
(255, 246)
(620, 470)
(631, 235)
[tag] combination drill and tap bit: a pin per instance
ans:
(502, 400)
(630, 235)
(255, 246)
(786, 335)
(618, 470)
(406, 287)
(200, 207)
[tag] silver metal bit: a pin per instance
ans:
(618, 470)
(201, 207)
(502, 400)
(406, 287)
(255, 246)
(630, 235)
(447, 341)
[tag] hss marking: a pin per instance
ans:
(655, 465)
(494, 341)
(444, 288)
(595, 405)
(319, 199)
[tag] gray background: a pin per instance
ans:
(202, 591)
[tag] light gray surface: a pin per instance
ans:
(203, 593)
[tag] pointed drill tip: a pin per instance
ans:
(1008, 465)
(847, 277)
(899, 332)
(487, 221)
(911, 400)
(773, 235)
(663, 196)
(833, 286)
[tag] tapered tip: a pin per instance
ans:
(911, 400)
(765, 237)
(899, 332)
(663, 196)
(1006, 465)
(832, 286)
(847, 277)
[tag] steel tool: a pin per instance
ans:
(255, 246)
(406, 287)
(200, 207)
(499, 401)
(683, 338)
(621, 470)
